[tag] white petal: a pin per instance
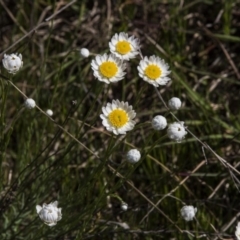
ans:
(38, 208)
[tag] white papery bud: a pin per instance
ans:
(133, 156)
(174, 103)
(84, 52)
(12, 62)
(29, 103)
(188, 213)
(49, 112)
(124, 206)
(237, 232)
(50, 214)
(176, 131)
(159, 122)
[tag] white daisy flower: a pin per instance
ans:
(118, 117)
(124, 47)
(84, 52)
(174, 103)
(29, 103)
(237, 232)
(108, 68)
(188, 213)
(12, 62)
(159, 122)
(154, 70)
(49, 213)
(176, 131)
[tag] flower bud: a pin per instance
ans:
(159, 122)
(174, 103)
(176, 131)
(188, 212)
(124, 206)
(84, 52)
(49, 112)
(237, 232)
(49, 213)
(29, 103)
(133, 156)
(12, 62)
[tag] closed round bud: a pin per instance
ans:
(133, 156)
(29, 103)
(49, 112)
(176, 131)
(159, 122)
(174, 103)
(50, 214)
(84, 52)
(188, 213)
(124, 206)
(12, 62)
(237, 232)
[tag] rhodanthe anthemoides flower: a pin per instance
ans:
(237, 232)
(108, 68)
(118, 117)
(12, 62)
(124, 47)
(176, 131)
(174, 103)
(49, 213)
(84, 52)
(154, 70)
(159, 122)
(133, 156)
(188, 213)
(29, 103)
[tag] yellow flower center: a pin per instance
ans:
(108, 69)
(123, 47)
(118, 118)
(153, 71)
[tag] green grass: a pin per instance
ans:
(71, 158)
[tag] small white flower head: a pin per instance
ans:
(118, 117)
(50, 214)
(12, 62)
(84, 52)
(237, 232)
(124, 47)
(159, 122)
(174, 103)
(49, 112)
(108, 68)
(154, 70)
(176, 131)
(133, 156)
(188, 213)
(124, 206)
(29, 103)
